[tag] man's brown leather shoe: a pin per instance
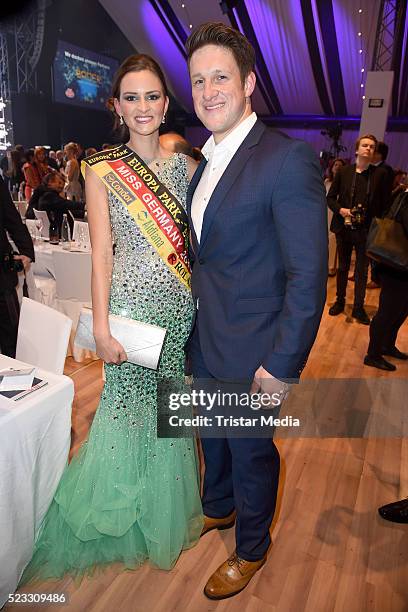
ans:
(218, 523)
(231, 577)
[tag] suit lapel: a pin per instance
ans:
(233, 170)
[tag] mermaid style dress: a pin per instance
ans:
(129, 496)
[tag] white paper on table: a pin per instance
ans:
(13, 379)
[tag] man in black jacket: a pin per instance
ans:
(357, 194)
(393, 303)
(379, 160)
(47, 197)
(10, 221)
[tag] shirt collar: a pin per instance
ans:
(234, 139)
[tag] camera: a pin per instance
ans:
(358, 215)
(9, 264)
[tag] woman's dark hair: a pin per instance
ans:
(220, 35)
(330, 174)
(398, 173)
(15, 157)
(29, 155)
(134, 63)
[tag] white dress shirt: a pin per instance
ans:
(218, 157)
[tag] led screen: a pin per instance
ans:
(82, 77)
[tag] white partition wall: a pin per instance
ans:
(378, 93)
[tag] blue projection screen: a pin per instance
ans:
(82, 77)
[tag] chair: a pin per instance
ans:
(42, 215)
(21, 207)
(43, 290)
(43, 335)
(81, 233)
(73, 275)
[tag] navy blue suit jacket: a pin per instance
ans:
(260, 270)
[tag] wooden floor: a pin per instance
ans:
(330, 552)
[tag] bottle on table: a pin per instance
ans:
(65, 233)
(54, 233)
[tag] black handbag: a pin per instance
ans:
(387, 241)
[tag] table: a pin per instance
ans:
(44, 265)
(35, 441)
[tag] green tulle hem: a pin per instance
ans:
(58, 552)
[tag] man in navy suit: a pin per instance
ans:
(259, 242)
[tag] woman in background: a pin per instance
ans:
(73, 189)
(331, 173)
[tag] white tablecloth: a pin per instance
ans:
(44, 265)
(35, 441)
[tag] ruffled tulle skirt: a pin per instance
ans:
(127, 496)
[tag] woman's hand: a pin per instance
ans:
(110, 350)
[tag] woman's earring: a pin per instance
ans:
(121, 120)
(164, 118)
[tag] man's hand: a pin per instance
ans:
(264, 382)
(345, 212)
(26, 261)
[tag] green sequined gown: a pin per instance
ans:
(129, 496)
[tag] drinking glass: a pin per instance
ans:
(39, 225)
(33, 230)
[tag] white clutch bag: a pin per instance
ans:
(142, 342)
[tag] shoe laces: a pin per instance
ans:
(235, 560)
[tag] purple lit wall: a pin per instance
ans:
(280, 31)
(348, 22)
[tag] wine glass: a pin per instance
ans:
(39, 225)
(33, 230)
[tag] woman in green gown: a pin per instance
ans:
(129, 496)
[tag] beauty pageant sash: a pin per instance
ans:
(155, 210)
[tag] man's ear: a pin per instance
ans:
(250, 82)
